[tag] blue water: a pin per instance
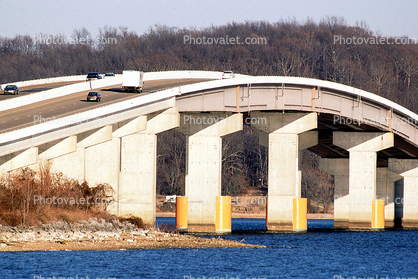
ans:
(319, 253)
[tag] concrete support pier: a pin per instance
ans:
(407, 203)
(362, 148)
(339, 168)
(137, 188)
(204, 163)
(285, 135)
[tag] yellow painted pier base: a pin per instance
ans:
(378, 214)
(300, 215)
(181, 213)
(223, 214)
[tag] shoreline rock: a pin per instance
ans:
(101, 235)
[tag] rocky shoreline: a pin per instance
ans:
(101, 235)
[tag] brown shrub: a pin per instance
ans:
(28, 197)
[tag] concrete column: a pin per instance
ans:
(204, 164)
(101, 165)
(102, 161)
(362, 171)
(339, 168)
(408, 169)
(137, 184)
(287, 136)
(138, 176)
(109, 155)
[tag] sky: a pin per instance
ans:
(394, 18)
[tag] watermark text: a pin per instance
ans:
(51, 40)
(38, 199)
(337, 119)
(210, 120)
(226, 40)
(354, 40)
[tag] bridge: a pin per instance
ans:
(369, 144)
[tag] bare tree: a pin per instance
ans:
(317, 185)
(379, 76)
(409, 65)
(81, 36)
(171, 163)
(233, 178)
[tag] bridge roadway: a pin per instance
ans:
(368, 143)
(74, 103)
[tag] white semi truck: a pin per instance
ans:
(132, 80)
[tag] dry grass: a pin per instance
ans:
(28, 197)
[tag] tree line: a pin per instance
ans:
(327, 50)
(324, 50)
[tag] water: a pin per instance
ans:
(320, 253)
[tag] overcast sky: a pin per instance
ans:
(32, 17)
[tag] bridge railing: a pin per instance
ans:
(45, 81)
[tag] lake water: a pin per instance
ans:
(319, 253)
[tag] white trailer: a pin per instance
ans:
(132, 80)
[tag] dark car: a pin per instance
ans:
(109, 75)
(94, 96)
(11, 89)
(93, 75)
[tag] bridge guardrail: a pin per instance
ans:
(45, 81)
(185, 75)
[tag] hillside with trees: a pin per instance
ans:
(308, 49)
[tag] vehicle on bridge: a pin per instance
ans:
(132, 80)
(93, 75)
(94, 96)
(11, 89)
(228, 74)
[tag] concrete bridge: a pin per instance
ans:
(368, 143)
